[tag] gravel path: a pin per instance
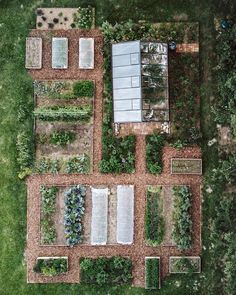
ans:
(139, 179)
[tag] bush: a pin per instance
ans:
(115, 270)
(62, 138)
(51, 266)
(80, 164)
(154, 147)
(74, 211)
(152, 273)
(83, 19)
(182, 231)
(83, 89)
(154, 221)
(64, 113)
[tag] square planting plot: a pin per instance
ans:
(152, 273)
(86, 53)
(186, 166)
(185, 264)
(51, 266)
(59, 53)
(64, 126)
(33, 59)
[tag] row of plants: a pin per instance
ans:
(51, 266)
(103, 270)
(184, 97)
(48, 208)
(81, 113)
(84, 18)
(154, 150)
(64, 89)
(79, 164)
(154, 221)
(152, 273)
(224, 103)
(182, 221)
(59, 138)
(74, 212)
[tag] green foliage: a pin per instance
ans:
(182, 231)
(47, 165)
(83, 88)
(152, 276)
(48, 207)
(25, 151)
(62, 138)
(184, 265)
(83, 19)
(51, 267)
(64, 113)
(53, 89)
(154, 147)
(154, 221)
(115, 270)
(80, 164)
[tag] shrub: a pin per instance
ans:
(152, 273)
(154, 147)
(24, 150)
(51, 266)
(115, 270)
(62, 138)
(154, 221)
(83, 89)
(64, 113)
(80, 164)
(84, 18)
(74, 211)
(182, 230)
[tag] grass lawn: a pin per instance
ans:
(16, 18)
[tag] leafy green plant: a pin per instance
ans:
(24, 150)
(154, 147)
(51, 266)
(184, 265)
(182, 228)
(64, 113)
(80, 164)
(115, 270)
(83, 88)
(74, 211)
(154, 221)
(46, 165)
(62, 138)
(83, 19)
(152, 273)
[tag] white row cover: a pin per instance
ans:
(33, 58)
(125, 214)
(86, 53)
(59, 53)
(99, 216)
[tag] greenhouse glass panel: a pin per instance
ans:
(59, 53)
(86, 53)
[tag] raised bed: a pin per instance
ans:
(51, 266)
(86, 53)
(184, 264)
(33, 58)
(59, 53)
(186, 166)
(152, 273)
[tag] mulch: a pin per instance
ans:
(140, 179)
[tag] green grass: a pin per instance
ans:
(16, 93)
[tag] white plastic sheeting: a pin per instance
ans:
(99, 216)
(125, 214)
(59, 53)
(86, 53)
(33, 53)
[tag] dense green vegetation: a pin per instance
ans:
(115, 270)
(51, 267)
(154, 146)
(17, 17)
(154, 221)
(182, 227)
(62, 138)
(152, 275)
(184, 265)
(83, 88)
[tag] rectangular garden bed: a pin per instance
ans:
(185, 264)
(51, 266)
(152, 273)
(186, 166)
(33, 59)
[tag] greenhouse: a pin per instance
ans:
(125, 214)
(140, 81)
(59, 53)
(99, 216)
